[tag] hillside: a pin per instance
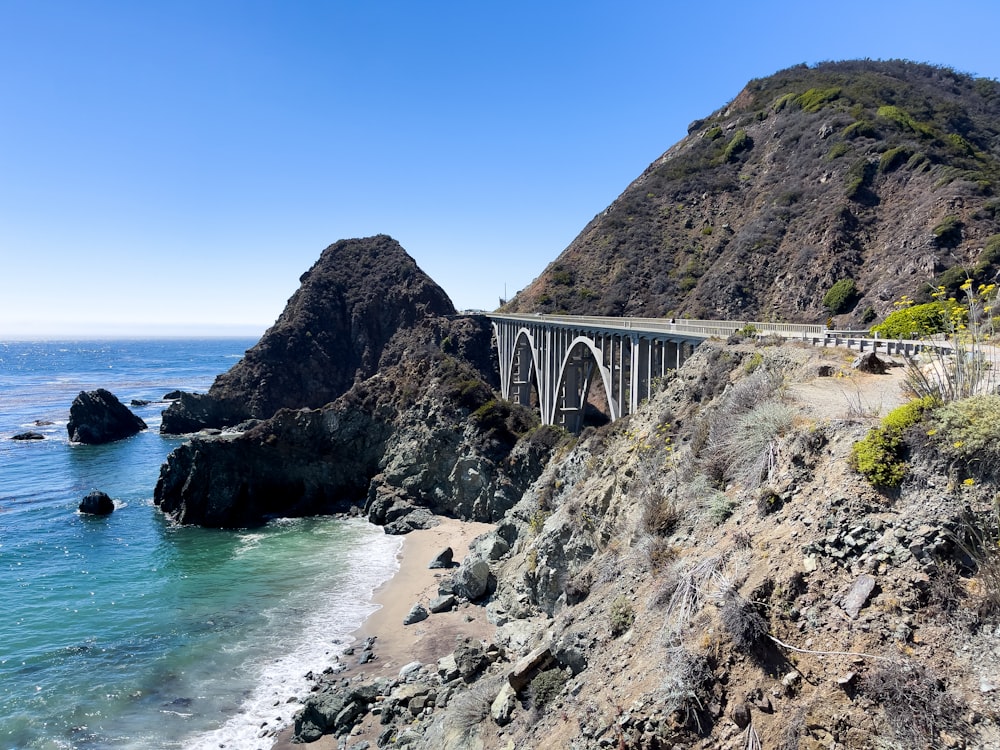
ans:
(886, 174)
(710, 573)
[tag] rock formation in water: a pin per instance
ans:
(97, 503)
(330, 335)
(422, 434)
(99, 417)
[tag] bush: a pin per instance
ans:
(858, 178)
(860, 129)
(739, 143)
(622, 616)
(893, 158)
(745, 625)
(916, 704)
(913, 322)
(472, 707)
(879, 456)
(948, 233)
(903, 417)
(841, 297)
(969, 429)
(747, 448)
(813, 100)
(546, 686)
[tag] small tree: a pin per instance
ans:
(841, 297)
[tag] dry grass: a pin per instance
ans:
(916, 704)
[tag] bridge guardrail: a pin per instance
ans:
(815, 334)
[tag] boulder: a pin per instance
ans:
(443, 559)
(470, 657)
(99, 417)
(857, 597)
(97, 503)
(502, 708)
(29, 435)
(528, 666)
(870, 363)
(443, 603)
(172, 395)
(472, 578)
(417, 613)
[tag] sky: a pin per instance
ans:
(173, 167)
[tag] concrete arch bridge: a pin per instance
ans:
(561, 357)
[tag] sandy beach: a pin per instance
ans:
(396, 644)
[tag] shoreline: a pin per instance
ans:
(397, 645)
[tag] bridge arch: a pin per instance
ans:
(575, 378)
(522, 371)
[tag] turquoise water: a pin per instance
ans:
(130, 632)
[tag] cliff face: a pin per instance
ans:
(710, 573)
(884, 174)
(330, 335)
(423, 435)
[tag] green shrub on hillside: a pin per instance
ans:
(858, 177)
(893, 158)
(879, 456)
(860, 129)
(912, 322)
(621, 617)
(740, 142)
(841, 296)
(969, 429)
(948, 232)
(904, 120)
(837, 150)
(813, 100)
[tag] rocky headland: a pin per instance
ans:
(422, 433)
(330, 335)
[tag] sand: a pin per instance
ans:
(396, 644)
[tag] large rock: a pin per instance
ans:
(99, 417)
(97, 503)
(472, 578)
(330, 335)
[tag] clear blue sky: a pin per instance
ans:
(174, 166)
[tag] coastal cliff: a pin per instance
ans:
(330, 335)
(710, 572)
(424, 433)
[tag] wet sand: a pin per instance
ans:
(397, 645)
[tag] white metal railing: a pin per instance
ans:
(680, 326)
(817, 335)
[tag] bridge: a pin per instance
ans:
(562, 356)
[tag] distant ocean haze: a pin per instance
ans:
(127, 631)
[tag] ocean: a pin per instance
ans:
(127, 631)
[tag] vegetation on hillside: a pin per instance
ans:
(882, 174)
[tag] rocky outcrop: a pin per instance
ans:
(331, 334)
(99, 417)
(29, 435)
(424, 434)
(98, 504)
